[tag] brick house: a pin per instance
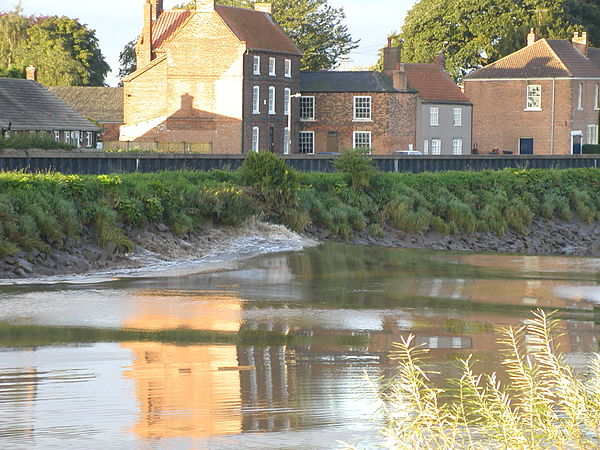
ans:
(27, 107)
(386, 111)
(543, 99)
(101, 105)
(217, 75)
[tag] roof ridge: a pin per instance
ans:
(547, 42)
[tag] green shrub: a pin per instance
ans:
(589, 149)
(26, 141)
(519, 217)
(357, 165)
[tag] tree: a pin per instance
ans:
(64, 51)
(474, 33)
(314, 26)
(127, 59)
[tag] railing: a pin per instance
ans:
(103, 163)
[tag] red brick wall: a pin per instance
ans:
(500, 119)
(393, 124)
(110, 131)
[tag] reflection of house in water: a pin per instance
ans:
(19, 392)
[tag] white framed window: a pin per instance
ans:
(89, 139)
(287, 68)
(597, 97)
(592, 134)
(255, 139)
(256, 65)
(361, 139)
(75, 137)
(286, 141)
(307, 142)
(272, 67)
(434, 116)
(457, 146)
(7, 134)
(307, 107)
(271, 99)
(67, 137)
(57, 136)
(534, 97)
(436, 146)
(256, 100)
(287, 93)
(426, 147)
(580, 97)
(457, 114)
(362, 108)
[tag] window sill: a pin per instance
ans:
(307, 120)
(256, 113)
(363, 120)
(533, 109)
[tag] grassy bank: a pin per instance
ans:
(39, 211)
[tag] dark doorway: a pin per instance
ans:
(526, 146)
(577, 140)
(332, 141)
(271, 139)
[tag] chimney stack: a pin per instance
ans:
(31, 73)
(205, 5)
(391, 56)
(399, 80)
(440, 60)
(144, 46)
(157, 9)
(532, 37)
(581, 43)
(264, 7)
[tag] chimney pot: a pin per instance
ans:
(532, 37)
(389, 41)
(580, 42)
(31, 73)
(264, 7)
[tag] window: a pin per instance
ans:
(534, 97)
(593, 134)
(67, 137)
(362, 108)
(89, 139)
(426, 147)
(458, 117)
(597, 97)
(434, 116)
(307, 142)
(436, 146)
(57, 136)
(255, 139)
(362, 139)
(288, 68)
(457, 146)
(7, 134)
(286, 101)
(271, 100)
(286, 141)
(580, 97)
(272, 67)
(256, 65)
(256, 100)
(75, 138)
(307, 108)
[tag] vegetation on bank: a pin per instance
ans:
(39, 211)
(544, 404)
(27, 141)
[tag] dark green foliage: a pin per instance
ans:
(27, 141)
(589, 149)
(357, 166)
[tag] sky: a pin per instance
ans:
(117, 22)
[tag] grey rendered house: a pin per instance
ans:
(444, 113)
(28, 107)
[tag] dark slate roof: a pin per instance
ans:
(256, 28)
(332, 81)
(433, 84)
(27, 105)
(100, 104)
(546, 58)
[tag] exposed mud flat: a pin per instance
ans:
(157, 247)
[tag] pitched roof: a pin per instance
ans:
(546, 58)
(256, 28)
(100, 104)
(433, 84)
(27, 105)
(333, 81)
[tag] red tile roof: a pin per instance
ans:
(433, 84)
(256, 28)
(167, 24)
(546, 58)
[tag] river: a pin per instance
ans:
(271, 352)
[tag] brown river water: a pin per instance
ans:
(271, 353)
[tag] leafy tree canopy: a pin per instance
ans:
(314, 26)
(65, 52)
(474, 33)
(127, 59)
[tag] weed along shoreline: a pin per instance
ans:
(54, 224)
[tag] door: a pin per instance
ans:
(272, 139)
(332, 142)
(576, 142)
(526, 146)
